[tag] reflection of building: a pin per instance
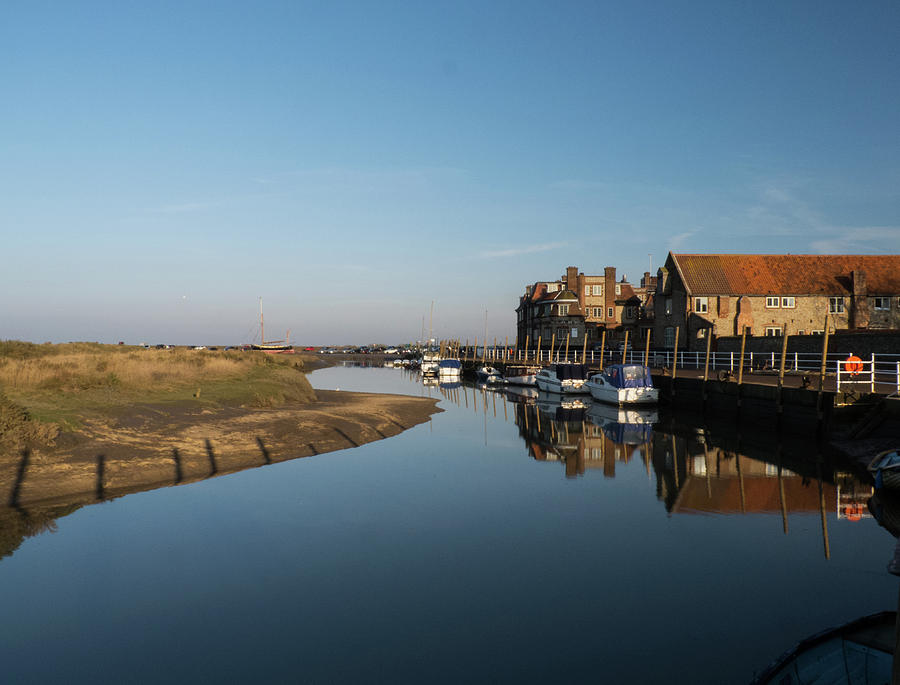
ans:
(568, 436)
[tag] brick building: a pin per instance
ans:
(577, 305)
(722, 294)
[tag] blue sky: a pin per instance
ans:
(165, 164)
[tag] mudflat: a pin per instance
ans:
(81, 423)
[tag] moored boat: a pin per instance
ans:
(861, 651)
(563, 378)
(449, 368)
(623, 384)
(521, 375)
(488, 374)
(885, 469)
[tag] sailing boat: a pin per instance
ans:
(272, 346)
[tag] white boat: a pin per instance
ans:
(563, 378)
(623, 384)
(488, 374)
(521, 375)
(429, 365)
(449, 368)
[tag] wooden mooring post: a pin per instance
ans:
(625, 347)
(647, 350)
(602, 347)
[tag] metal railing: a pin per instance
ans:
(878, 370)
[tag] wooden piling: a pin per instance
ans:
(540, 355)
(741, 360)
(784, 342)
(822, 370)
(552, 345)
(602, 347)
(584, 349)
(647, 350)
(625, 347)
(567, 347)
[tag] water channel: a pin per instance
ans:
(507, 540)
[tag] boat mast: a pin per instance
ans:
(430, 325)
(262, 330)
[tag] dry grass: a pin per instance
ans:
(57, 382)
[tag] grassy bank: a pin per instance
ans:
(57, 384)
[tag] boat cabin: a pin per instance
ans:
(627, 376)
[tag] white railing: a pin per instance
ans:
(879, 370)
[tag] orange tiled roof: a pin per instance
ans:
(731, 274)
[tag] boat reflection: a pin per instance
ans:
(559, 428)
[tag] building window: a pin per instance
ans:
(788, 302)
(552, 287)
(882, 303)
(631, 312)
(563, 310)
(836, 305)
(610, 312)
(574, 332)
(773, 331)
(773, 302)
(597, 290)
(587, 290)
(801, 332)
(701, 305)
(618, 289)
(598, 312)
(669, 337)
(668, 303)
(561, 333)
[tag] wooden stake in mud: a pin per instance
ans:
(539, 353)
(527, 341)
(647, 350)
(567, 347)
(602, 347)
(625, 347)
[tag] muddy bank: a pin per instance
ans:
(149, 446)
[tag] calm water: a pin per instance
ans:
(503, 541)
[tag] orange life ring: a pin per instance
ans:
(853, 364)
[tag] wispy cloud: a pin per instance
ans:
(858, 240)
(516, 251)
(676, 241)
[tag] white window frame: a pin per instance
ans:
(788, 302)
(574, 333)
(552, 287)
(773, 331)
(701, 305)
(773, 302)
(883, 306)
(562, 309)
(610, 313)
(598, 312)
(835, 305)
(587, 290)
(597, 290)
(618, 288)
